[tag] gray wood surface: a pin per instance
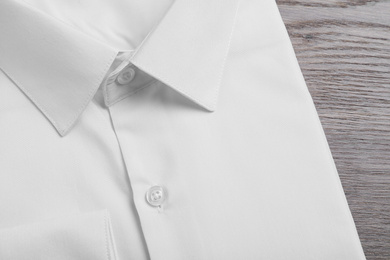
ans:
(343, 48)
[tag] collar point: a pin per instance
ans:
(209, 107)
(62, 128)
(62, 132)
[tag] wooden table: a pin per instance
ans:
(343, 48)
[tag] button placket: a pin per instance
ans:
(124, 81)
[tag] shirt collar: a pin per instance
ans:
(60, 68)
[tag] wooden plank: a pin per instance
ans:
(343, 48)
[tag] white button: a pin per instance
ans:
(126, 76)
(155, 196)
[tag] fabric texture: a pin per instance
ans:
(162, 130)
(88, 236)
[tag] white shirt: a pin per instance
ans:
(179, 130)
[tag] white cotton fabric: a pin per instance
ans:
(84, 236)
(218, 115)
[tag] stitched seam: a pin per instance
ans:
(59, 21)
(68, 125)
(90, 93)
(106, 235)
(96, 106)
(215, 96)
(216, 93)
(112, 239)
(178, 89)
(28, 94)
(133, 92)
(106, 92)
(115, 72)
(142, 44)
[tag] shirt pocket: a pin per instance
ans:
(84, 236)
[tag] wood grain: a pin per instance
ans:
(343, 48)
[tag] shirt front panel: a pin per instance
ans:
(252, 180)
(44, 176)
